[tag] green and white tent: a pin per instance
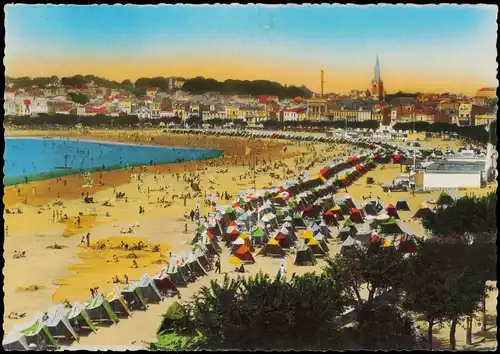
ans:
(133, 297)
(195, 266)
(37, 333)
(259, 236)
(176, 274)
(445, 199)
(78, 317)
(391, 227)
(14, 340)
(99, 310)
(201, 255)
(117, 303)
(148, 289)
(58, 323)
(304, 256)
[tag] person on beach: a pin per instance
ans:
(125, 278)
(134, 264)
(217, 266)
(88, 239)
(191, 215)
(78, 220)
(92, 293)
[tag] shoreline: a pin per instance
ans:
(233, 154)
(15, 180)
(101, 142)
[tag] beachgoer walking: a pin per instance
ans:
(88, 239)
(282, 272)
(217, 266)
(78, 220)
(191, 215)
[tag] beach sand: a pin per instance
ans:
(70, 272)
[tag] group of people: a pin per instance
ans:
(116, 279)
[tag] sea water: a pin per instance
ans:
(47, 158)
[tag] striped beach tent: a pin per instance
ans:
(117, 303)
(99, 310)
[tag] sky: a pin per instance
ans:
(421, 48)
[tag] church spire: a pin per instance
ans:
(377, 71)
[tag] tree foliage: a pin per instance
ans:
(79, 98)
(200, 85)
(334, 124)
(264, 313)
(44, 120)
(469, 214)
(475, 133)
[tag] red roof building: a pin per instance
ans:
(101, 110)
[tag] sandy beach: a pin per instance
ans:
(48, 275)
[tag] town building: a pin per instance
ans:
(455, 174)
(377, 86)
(488, 92)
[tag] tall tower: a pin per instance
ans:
(322, 81)
(377, 83)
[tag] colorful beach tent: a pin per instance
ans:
(304, 256)
(356, 216)
(99, 310)
(272, 248)
(195, 266)
(235, 260)
(58, 323)
(117, 303)
(422, 211)
(283, 238)
(316, 248)
(402, 205)
(444, 199)
(297, 220)
(391, 211)
(322, 241)
(307, 235)
(407, 244)
(78, 317)
(14, 340)
(148, 289)
(133, 297)
(243, 253)
(38, 334)
(390, 227)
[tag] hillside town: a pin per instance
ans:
(176, 102)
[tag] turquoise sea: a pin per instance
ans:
(37, 159)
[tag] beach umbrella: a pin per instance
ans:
(235, 260)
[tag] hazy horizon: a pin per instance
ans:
(441, 48)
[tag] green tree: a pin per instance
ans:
(384, 327)
(78, 98)
(440, 285)
(469, 214)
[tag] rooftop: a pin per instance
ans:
(456, 167)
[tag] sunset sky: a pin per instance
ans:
(426, 49)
